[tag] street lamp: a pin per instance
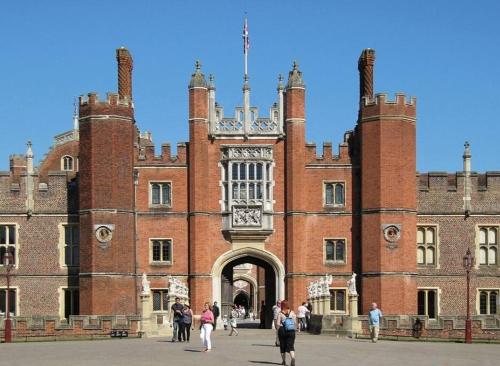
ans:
(468, 264)
(8, 262)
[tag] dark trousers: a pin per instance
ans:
(180, 332)
(186, 331)
(215, 324)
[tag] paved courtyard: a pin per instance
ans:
(251, 347)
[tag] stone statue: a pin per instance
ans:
(325, 286)
(351, 284)
(145, 284)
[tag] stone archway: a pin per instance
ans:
(274, 276)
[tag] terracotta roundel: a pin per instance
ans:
(103, 234)
(392, 233)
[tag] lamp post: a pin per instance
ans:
(468, 264)
(8, 262)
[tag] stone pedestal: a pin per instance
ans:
(316, 306)
(352, 324)
(146, 309)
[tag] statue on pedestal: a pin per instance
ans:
(351, 284)
(145, 284)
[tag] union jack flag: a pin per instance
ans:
(246, 40)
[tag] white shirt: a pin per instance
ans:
(301, 311)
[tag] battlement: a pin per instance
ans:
(328, 157)
(146, 153)
(401, 105)
(453, 182)
(113, 99)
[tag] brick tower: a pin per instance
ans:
(295, 182)
(107, 235)
(199, 263)
(388, 197)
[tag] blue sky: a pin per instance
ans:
(443, 52)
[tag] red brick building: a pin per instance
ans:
(102, 209)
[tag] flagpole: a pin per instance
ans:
(245, 46)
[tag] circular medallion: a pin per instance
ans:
(392, 233)
(103, 234)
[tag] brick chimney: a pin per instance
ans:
(125, 66)
(365, 67)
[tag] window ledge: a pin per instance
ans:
(159, 206)
(160, 264)
(334, 207)
(334, 263)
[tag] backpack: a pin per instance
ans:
(288, 324)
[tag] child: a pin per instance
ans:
(232, 321)
(224, 321)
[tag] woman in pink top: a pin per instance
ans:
(207, 321)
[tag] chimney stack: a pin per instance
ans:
(365, 67)
(125, 66)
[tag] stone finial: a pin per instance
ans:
(29, 152)
(466, 150)
(246, 84)
(295, 77)
(280, 82)
(211, 82)
(198, 78)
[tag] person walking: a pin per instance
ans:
(276, 312)
(287, 323)
(308, 314)
(175, 318)
(301, 316)
(187, 320)
(232, 321)
(216, 311)
(374, 317)
(262, 315)
(207, 322)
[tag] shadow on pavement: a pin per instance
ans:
(263, 345)
(266, 362)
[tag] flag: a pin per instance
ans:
(246, 40)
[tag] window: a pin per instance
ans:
(427, 303)
(67, 163)
(488, 302)
(426, 246)
(8, 240)
(3, 301)
(160, 300)
(161, 251)
(71, 302)
(334, 194)
(337, 300)
(161, 194)
(488, 246)
(71, 245)
(335, 250)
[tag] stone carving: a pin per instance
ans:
(247, 152)
(145, 284)
(247, 216)
(104, 232)
(321, 287)
(177, 288)
(351, 284)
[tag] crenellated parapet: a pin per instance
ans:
(328, 157)
(381, 107)
(453, 182)
(146, 155)
(113, 106)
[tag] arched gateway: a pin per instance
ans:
(274, 276)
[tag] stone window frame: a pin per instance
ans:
(346, 300)
(150, 194)
(18, 304)
(334, 182)
(16, 244)
(62, 245)
(61, 290)
(489, 290)
(164, 294)
(425, 245)
(161, 263)
(488, 245)
(329, 262)
(437, 301)
(64, 162)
